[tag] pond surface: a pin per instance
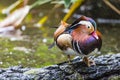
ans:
(32, 50)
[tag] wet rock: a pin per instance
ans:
(107, 66)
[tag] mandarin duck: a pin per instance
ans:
(80, 38)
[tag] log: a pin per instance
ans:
(107, 67)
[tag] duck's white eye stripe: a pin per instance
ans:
(87, 23)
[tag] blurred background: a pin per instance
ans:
(27, 27)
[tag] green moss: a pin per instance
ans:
(114, 78)
(38, 56)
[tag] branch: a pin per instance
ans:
(107, 67)
(111, 6)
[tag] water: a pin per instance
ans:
(32, 49)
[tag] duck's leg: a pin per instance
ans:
(69, 59)
(88, 62)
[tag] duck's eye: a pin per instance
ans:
(88, 27)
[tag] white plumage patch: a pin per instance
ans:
(87, 23)
(70, 51)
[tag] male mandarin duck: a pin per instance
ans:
(79, 38)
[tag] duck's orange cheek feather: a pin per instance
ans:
(60, 29)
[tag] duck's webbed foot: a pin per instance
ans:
(88, 62)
